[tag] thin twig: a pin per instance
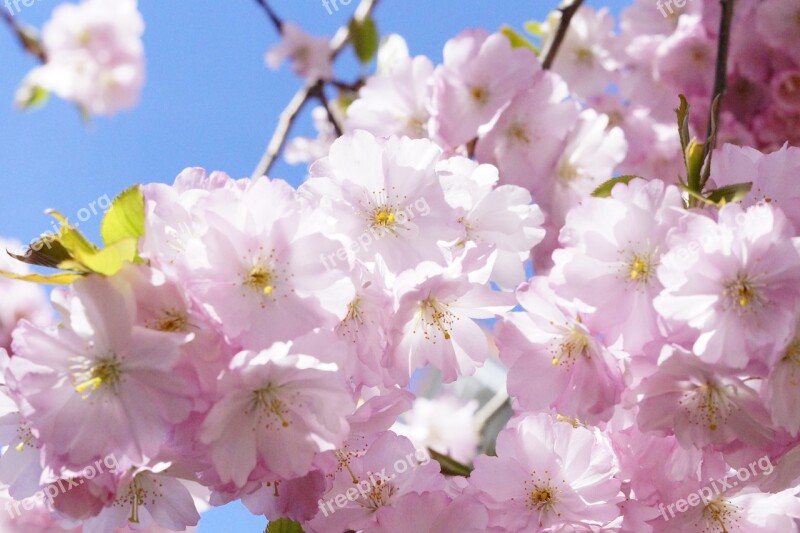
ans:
(26, 40)
(289, 115)
(319, 92)
(567, 12)
(721, 76)
(276, 20)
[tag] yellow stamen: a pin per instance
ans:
(384, 218)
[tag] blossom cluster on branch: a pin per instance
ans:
(638, 288)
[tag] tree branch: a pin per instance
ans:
(276, 20)
(27, 40)
(567, 12)
(319, 92)
(289, 115)
(721, 76)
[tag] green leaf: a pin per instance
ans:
(125, 217)
(284, 525)
(46, 251)
(533, 27)
(449, 466)
(694, 195)
(517, 40)
(364, 36)
(694, 157)
(109, 260)
(70, 238)
(730, 193)
(604, 190)
(31, 97)
(683, 122)
(65, 278)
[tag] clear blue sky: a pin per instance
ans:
(209, 101)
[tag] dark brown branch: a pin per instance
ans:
(289, 115)
(567, 12)
(721, 76)
(29, 42)
(319, 92)
(276, 20)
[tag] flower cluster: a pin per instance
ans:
(247, 340)
(93, 57)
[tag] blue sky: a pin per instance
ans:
(209, 101)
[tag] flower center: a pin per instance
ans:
(173, 321)
(354, 319)
(380, 494)
(265, 401)
(640, 267)
(721, 514)
(479, 94)
(517, 132)
(706, 404)
(574, 343)
(103, 372)
(435, 315)
(584, 56)
(384, 217)
(259, 279)
(542, 494)
(742, 295)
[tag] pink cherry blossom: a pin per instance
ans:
(555, 360)
(311, 56)
(95, 56)
(481, 73)
(745, 286)
(98, 369)
(548, 474)
(278, 409)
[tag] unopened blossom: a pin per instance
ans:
(277, 410)
(95, 57)
(311, 56)
(548, 475)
